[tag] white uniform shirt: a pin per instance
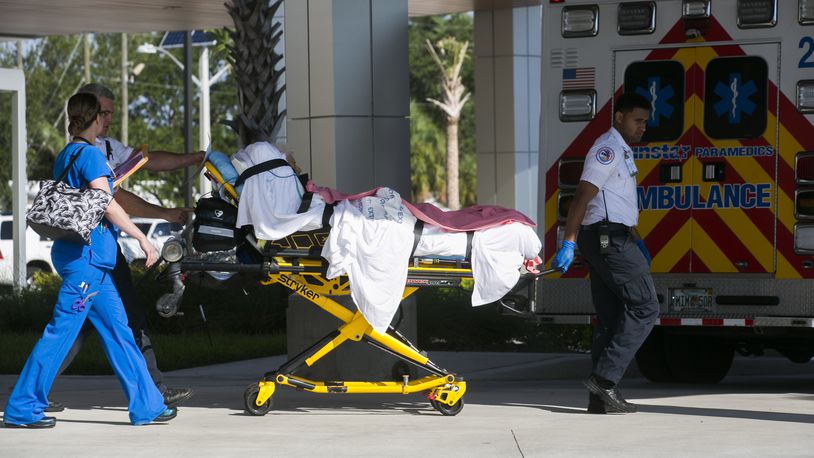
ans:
(605, 168)
(118, 152)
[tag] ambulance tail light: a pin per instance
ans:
(695, 9)
(580, 21)
(806, 12)
(637, 18)
(804, 204)
(804, 238)
(757, 13)
(577, 105)
(569, 172)
(804, 168)
(563, 204)
(805, 96)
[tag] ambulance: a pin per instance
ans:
(726, 169)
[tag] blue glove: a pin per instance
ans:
(642, 247)
(565, 256)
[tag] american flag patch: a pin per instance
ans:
(578, 78)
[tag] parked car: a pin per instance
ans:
(157, 230)
(37, 251)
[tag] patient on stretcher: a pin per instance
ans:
(375, 234)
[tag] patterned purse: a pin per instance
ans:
(62, 212)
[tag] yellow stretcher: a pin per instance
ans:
(295, 263)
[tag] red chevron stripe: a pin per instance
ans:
(698, 265)
(683, 264)
(665, 229)
(728, 242)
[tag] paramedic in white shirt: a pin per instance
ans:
(602, 221)
(117, 153)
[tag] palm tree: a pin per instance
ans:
(450, 58)
(254, 62)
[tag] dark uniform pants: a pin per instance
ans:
(624, 298)
(136, 319)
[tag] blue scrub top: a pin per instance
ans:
(90, 164)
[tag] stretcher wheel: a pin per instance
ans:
(249, 398)
(448, 410)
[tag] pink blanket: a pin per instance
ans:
(468, 219)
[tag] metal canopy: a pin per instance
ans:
(32, 18)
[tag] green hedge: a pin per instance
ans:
(249, 322)
(447, 321)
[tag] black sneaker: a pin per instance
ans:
(597, 406)
(168, 414)
(54, 406)
(175, 396)
(42, 423)
(610, 396)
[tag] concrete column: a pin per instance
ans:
(348, 92)
(347, 96)
(13, 80)
(507, 106)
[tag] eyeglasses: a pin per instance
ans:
(106, 113)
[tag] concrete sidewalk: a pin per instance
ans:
(517, 405)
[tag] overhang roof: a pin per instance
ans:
(32, 18)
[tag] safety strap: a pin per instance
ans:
(271, 165)
(326, 215)
(259, 168)
(417, 229)
(307, 196)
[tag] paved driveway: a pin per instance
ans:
(515, 407)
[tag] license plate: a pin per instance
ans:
(690, 299)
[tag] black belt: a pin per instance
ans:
(615, 227)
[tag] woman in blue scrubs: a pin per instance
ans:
(87, 292)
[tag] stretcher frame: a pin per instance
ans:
(295, 263)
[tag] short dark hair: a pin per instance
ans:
(626, 102)
(98, 90)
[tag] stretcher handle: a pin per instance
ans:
(548, 272)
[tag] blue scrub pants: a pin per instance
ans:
(75, 303)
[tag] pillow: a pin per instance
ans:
(224, 166)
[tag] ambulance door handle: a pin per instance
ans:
(714, 171)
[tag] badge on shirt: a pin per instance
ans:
(604, 156)
(631, 165)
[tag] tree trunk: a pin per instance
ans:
(453, 199)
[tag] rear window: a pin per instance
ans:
(662, 84)
(166, 229)
(143, 227)
(735, 104)
(6, 231)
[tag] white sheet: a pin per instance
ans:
(497, 255)
(271, 199)
(370, 242)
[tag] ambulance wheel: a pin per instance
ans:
(448, 410)
(698, 359)
(249, 398)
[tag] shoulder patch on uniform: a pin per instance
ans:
(604, 155)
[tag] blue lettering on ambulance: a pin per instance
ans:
(727, 195)
(734, 151)
(666, 152)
